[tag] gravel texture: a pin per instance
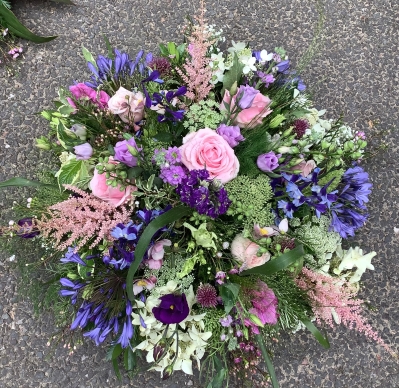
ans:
(355, 73)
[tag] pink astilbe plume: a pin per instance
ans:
(334, 300)
(80, 219)
(197, 74)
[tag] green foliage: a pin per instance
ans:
(257, 142)
(203, 115)
(171, 268)
(315, 235)
(336, 174)
(212, 324)
(251, 198)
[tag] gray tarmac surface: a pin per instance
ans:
(354, 73)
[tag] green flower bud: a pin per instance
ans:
(110, 167)
(276, 121)
(254, 319)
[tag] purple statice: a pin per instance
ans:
(173, 175)
(348, 213)
(226, 321)
(203, 194)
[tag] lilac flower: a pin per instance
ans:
(83, 151)
(266, 79)
(173, 175)
(172, 155)
(172, 309)
(226, 321)
(231, 134)
(245, 96)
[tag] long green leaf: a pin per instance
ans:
(279, 263)
(268, 361)
(23, 182)
(145, 239)
(315, 331)
(17, 28)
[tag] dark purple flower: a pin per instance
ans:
(172, 309)
(122, 153)
(245, 96)
(203, 194)
(231, 134)
(27, 228)
(268, 162)
(266, 79)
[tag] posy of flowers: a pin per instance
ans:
(199, 208)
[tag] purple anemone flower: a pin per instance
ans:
(172, 309)
(27, 228)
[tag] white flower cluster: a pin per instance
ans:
(192, 340)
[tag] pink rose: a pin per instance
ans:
(305, 168)
(206, 149)
(156, 253)
(245, 251)
(112, 195)
(128, 105)
(252, 116)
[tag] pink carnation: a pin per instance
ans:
(206, 149)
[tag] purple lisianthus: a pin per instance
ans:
(122, 153)
(231, 134)
(268, 162)
(245, 96)
(172, 309)
(83, 151)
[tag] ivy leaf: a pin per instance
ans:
(72, 172)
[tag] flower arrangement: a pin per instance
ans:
(199, 207)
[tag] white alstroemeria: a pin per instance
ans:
(249, 64)
(265, 57)
(237, 47)
(354, 258)
(217, 62)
